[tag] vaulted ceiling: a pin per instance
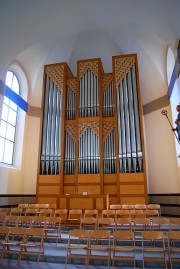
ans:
(38, 32)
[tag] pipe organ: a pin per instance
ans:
(92, 134)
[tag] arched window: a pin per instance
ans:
(8, 122)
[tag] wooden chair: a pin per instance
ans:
(91, 213)
(174, 223)
(99, 246)
(16, 236)
(78, 248)
(123, 247)
(74, 217)
(142, 224)
(31, 211)
(33, 206)
(23, 207)
(155, 207)
(160, 223)
(140, 206)
(174, 247)
(122, 213)
(115, 207)
(11, 220)
(108, 213)
(62, 213)
(25, 221)
(153, 247)
(38, 221)
(88, 222)
(16, 211)
(53, 228)
(105, 223)
(4, 211)
(53, 207)
(127, 207)
(2, 219)
(45, 212)
(4, 230)
(43, 206)
(151, 213)
(123, 223)
(31, 246)
(136, 213)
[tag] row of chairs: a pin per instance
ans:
(51, 225)
(21, 241)
(159, 223)
(96, 244)
(142, 223)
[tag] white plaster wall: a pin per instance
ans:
(161, 155)
(30, 162)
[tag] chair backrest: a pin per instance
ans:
(124, 235)
(122, 213)
(11, 220)
(134, 213)
(31, 211)
(108, 213)
(23, 206)
(53, 220)
(88, 221)
(90, 213)
(115, 207)
(61, 212)
(174, 235)
(75, 213)
(79, 233)
(140, 206)
(123, 222)
(128, 207)
(4, 230)
(43, 206)
(99, 234)
(152, 235)
(38, 221)
(45, 212)
(35, 232)
(16, 211)
(25, 221)
(4, 211)
(174, 223)
(34, 206)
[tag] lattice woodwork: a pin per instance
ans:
(122, 67)
(71, 130)
(72, 84)
(56, 74)
(108, 127)
(106, 81)
(93, 125)
(83, 66)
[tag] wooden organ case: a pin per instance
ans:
(92, 135)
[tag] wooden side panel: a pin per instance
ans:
(132, 189)
(47, 200)
(48, 190)
(133, 200)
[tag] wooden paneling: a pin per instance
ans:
(92, 189)
(133, 200)
(110, 189)
(132, 189)
(48, 179)
(69, 179)
(47, 200)
(81, 203)
(94, 178)
(48, 190)
(131, 177)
